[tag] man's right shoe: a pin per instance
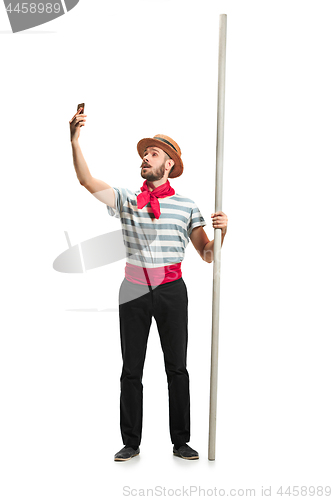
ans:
(126, 453)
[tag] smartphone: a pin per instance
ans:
(81, 106)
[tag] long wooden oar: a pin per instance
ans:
(217, 238)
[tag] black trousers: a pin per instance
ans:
(168, 304)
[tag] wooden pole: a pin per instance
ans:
(217, 237)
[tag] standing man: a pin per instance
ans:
(157, 224)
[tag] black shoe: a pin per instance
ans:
(186, 452)
(126, 453)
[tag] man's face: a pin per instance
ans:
(153, 164)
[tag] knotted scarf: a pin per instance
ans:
(151, 196)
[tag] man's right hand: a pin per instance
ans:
(75, 124)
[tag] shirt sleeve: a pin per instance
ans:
(119, 198)
(196, 219)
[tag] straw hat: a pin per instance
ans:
(169, 146)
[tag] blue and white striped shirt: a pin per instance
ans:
(152, 242)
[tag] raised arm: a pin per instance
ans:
(100, 189)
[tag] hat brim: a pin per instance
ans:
(149, 142)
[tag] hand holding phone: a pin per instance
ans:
(77, 122)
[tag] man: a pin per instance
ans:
(157, 224)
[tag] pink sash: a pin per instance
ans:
(153, 276)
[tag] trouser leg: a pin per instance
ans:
(135, 320)
(171, 315)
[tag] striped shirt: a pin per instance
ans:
(151, 242)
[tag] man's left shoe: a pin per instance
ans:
(186, 452)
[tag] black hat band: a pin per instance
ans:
(167, 142)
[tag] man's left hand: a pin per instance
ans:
(220, 221)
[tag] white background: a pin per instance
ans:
(142, 68)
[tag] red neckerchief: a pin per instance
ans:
(151, 196)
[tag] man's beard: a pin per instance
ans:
(155, 175)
